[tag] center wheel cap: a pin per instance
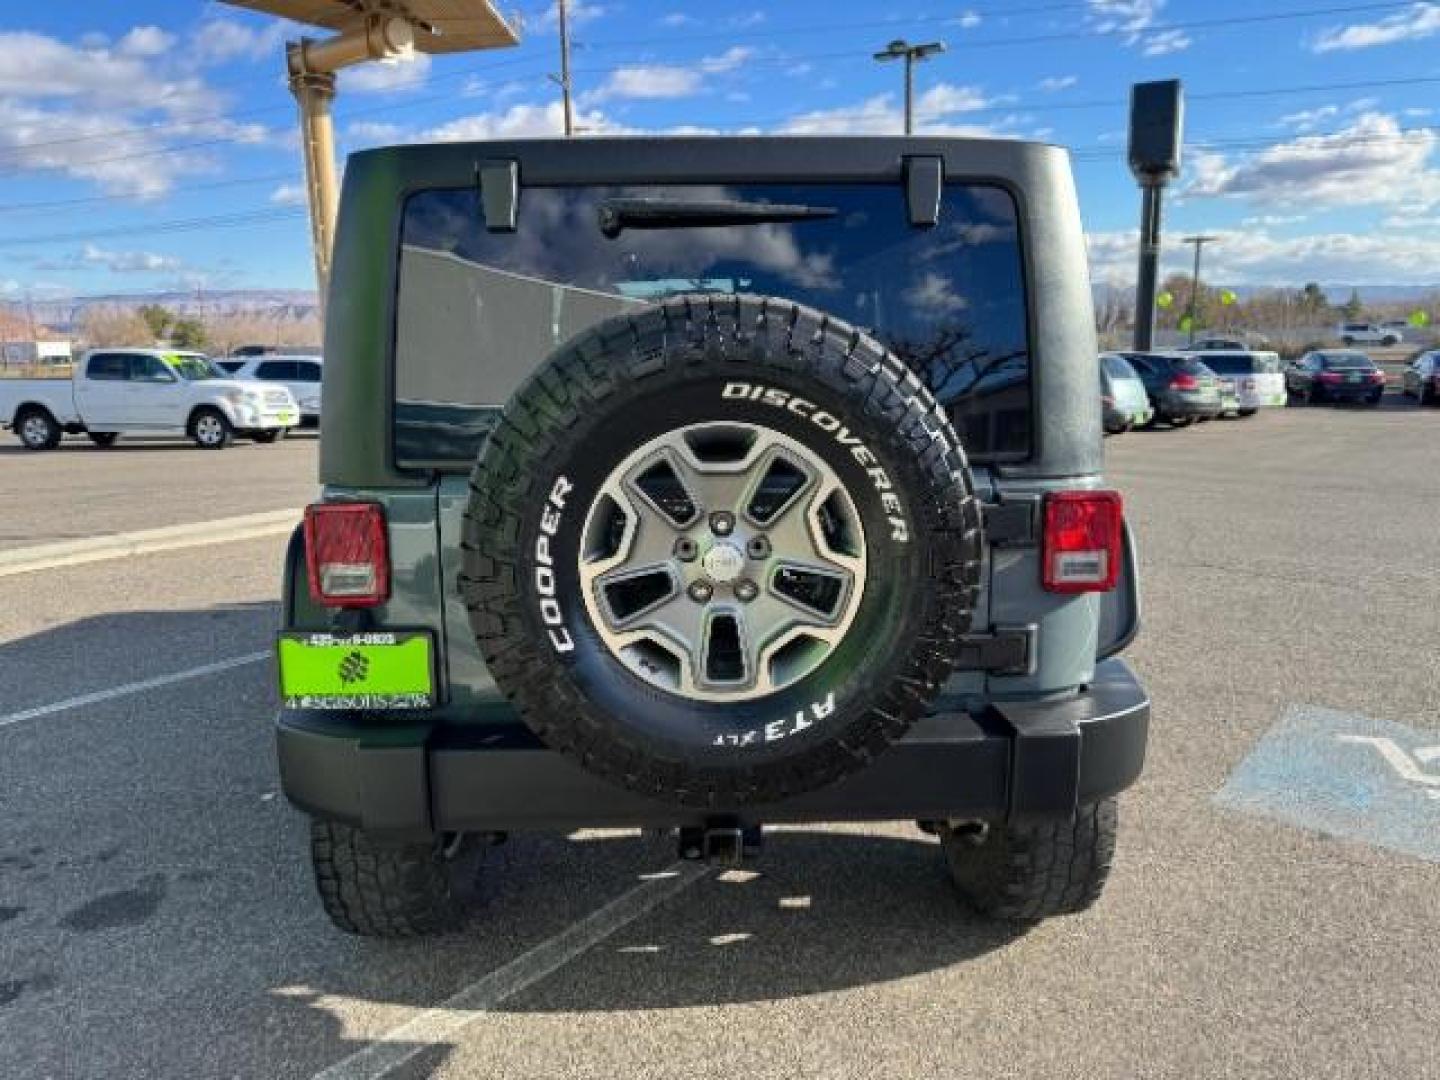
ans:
(723, 563)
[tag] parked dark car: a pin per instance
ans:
(1334, 375)
(1181, 388)
(1422, 378)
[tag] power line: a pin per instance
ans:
(52, 204)
(180, 225)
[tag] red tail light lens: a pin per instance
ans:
(346, 555)
(1184, 382)
(1331, 377)
(1377, 376)
(1081, 549)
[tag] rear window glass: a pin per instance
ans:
(1342, 361)
(1230, 365)
(1117, 367)
(1192, 367)
(478, 311)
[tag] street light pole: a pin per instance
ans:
(1199, 242)
(903, 50)
(565, 70)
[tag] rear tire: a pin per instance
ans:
(1243, 413)
(210, 429)
(1181, 421)
(103, 438)
(37, 429)
(268, 437)
(1426, 396)
(1026, 872)
(376, 888)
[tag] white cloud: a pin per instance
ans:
(969, 20)
(220, 41)
(746, 20)
(881, 115)
(1416, 22)
(388, 75)
(649, 81)
(1057, 82)
(660, 81)
(1307, 119)
(288, 195)
(518, 122)
(1166, 42)
(1256, 257)
(130, 262)
(576, 14)
(375, 132)
(1371, 162)
(1134, 21)
(933, 294)
(729, 60)
(145, 41)
(678, 18)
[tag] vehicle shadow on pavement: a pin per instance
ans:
(818, 911)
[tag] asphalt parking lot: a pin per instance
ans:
(156, 916)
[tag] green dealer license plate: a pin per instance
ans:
(357, 671)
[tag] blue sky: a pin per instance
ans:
(150, 145)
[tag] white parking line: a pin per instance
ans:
(133, 688)
(144, 541)
(448, 1019)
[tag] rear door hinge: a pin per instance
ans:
(1006, 650)
(1010, 523)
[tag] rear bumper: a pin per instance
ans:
(1175, 405)
(1009, 761)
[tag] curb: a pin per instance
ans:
(145, 541)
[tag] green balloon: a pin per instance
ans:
(1420, 319)
(1227, 297)
(1165, 300)
(1186, 322)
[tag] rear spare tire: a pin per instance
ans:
(720, 551)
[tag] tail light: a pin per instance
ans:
(346, 554)
(1331, 377)
(1081, 547)
(1377, 376)
(1184, 382)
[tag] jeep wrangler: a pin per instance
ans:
(700, 485)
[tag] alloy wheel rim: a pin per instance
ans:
(722, 561)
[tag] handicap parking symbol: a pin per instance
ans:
(1345, 775)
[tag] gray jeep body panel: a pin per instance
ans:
(378, 770)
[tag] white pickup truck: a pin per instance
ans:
(118, 392)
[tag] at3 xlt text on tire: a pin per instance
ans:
(778, 370)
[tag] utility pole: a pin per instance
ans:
(900, 49)
(1199, 242)
(565, 69)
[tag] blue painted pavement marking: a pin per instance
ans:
(1345, 775)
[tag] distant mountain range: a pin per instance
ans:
(66, 315)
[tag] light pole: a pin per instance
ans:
(901, 49)
(1199, 242)
(564, 78)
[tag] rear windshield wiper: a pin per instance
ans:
(617, 215)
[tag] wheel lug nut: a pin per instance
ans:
(758, 548)
(722, 523)
(686, 549)
(746, 590)
(701, 591)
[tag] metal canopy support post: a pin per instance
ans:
(314, 92)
